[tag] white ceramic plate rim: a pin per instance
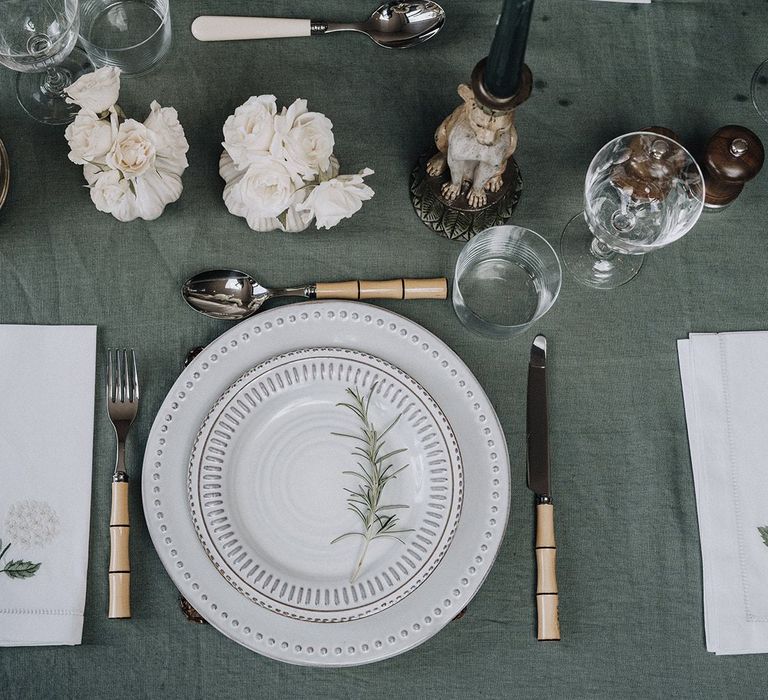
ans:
(432, 364)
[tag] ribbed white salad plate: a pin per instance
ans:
(327, 484)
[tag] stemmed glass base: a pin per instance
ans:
(593, 263)
(42, 94)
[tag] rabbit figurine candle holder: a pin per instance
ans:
(473, 181)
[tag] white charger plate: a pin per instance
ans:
(334, 629)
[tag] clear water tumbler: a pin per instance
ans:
(133, 35)
(506, 278)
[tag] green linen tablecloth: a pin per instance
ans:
(629, 562)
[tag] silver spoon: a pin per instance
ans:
(393, 25)
(234, 295)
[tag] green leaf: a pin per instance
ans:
(764, 534)
(21, 569)
(347, 534)
(391, 425)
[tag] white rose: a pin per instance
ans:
(154, 190)
(249, 133)
(168, 136)
(133, 152)
(97, 91)
(264, 190)
(337, 199)
(111, 192)
(89, 138)
(307, 139)
(143, 197)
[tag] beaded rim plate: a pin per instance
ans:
(399, 342)
(280, 479)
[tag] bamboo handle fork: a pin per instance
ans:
(122, 407)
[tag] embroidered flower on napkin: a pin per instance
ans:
(28, 524)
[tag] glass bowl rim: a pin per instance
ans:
(643, 248)
(90, 45)
(753, 90)
(63, 35)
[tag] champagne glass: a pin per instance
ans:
(643, 191)
(37, 38)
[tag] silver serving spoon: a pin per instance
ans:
(393, 25)
(234, 295)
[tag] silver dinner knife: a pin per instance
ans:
(548, 624)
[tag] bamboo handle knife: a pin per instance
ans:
(547, 598)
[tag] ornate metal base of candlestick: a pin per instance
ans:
(456, 219)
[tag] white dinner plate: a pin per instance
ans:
(248, 461)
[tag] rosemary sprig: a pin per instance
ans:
(375, 469)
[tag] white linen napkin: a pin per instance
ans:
(46, 444)
(725, 390)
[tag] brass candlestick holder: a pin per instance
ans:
(473, 181)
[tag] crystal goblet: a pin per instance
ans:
(37, 39)
(643, 191)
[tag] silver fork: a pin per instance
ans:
(122, 407)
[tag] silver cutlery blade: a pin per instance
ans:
(538, 419)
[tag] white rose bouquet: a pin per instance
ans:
(280, 171)
(133, 170)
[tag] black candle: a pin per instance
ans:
(505, 60)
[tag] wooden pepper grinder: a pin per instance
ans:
(734, 156)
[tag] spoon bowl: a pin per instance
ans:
(226, 294)
(400, 25)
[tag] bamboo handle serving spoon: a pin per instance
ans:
(233, 295)
(393, 25)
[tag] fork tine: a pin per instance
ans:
(126, 378)
(110, 376)
(135, 376)
(120, 377)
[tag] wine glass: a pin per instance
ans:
(759, 90)
(643, 191)
(37, 38)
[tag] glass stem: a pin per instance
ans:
(601, 251)
(55, 81)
